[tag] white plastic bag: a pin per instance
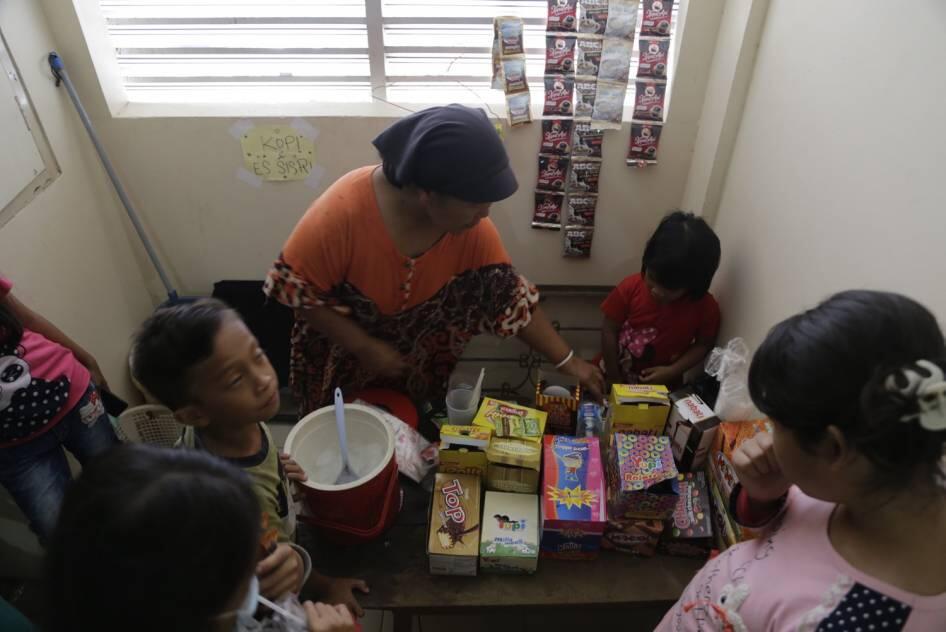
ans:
(730, 365)
(415, 455)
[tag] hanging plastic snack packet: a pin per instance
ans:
(655, 52)
(497, 83)
(509, 29)
(594, 17)
(514, 75)
(642, 148)
(588, 141)
(562, 16)
(553, 170)
(588, 56)
(609, 105)
(548, 210)
(578, 242)
(557, 137)
(584, 176)
(622, 19)
(559, 54)
(581, 210)
(585, 91)
(649, 99)
(518, 106)
(558, 96)
(615, 60)
(656, 18)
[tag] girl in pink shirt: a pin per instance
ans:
(48, 400)
(850, 483)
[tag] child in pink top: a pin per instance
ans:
(851, 482)
(48, 401)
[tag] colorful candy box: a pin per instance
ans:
(643, 477)
(637, 537)
(689, 532)
(574, 511)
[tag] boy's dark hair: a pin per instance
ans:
(11, 329)
(150, 539)
(683, 253)
(829, 366)
(171, 342)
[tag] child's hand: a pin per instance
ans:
(758, 470)
(342, 592)
(294, 471)
(323, 618)
(658, 375)
(280, 572)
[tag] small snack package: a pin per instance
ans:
(729, 436)
(510, 540)
(588, 56)
(644, 141)
(508, 420)
(584, 176)
(562, 16)
(633, 536)
(588, 141)
(689, 532)
(639, 408)
(656, 18)
(649, 99)
(519, 110)
(463, 450)
(559, 54)
(574, 511)
(577, 242)
(453, 538)
(509, 31)
(514, 75)
(497, 82)
(642, 478)
(558, 96)
(594, 17)
(615, 60)
(585, 91)
(609, 105)
(655, 52)
(513, 466)
(590, 420)
(548, 210)
(558, 395)
(581, 210)
(622, 19)
(553, 173)
(557, 137)
(691, 427)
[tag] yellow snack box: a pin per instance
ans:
(463, 450)
(508, 420)
(639, 408)
(513, 466)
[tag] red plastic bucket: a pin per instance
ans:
(363, 509)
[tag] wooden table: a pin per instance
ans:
(395, 568)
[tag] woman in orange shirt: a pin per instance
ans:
(396, 267)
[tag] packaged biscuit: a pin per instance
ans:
(519, 110)
(514, 75)
(509, 31)
(453, 538)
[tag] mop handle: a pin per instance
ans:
(59, 69)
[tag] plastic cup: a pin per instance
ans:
(461, 405)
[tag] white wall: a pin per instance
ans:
(209, 225)
(836, 179)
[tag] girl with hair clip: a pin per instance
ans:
(849, 487)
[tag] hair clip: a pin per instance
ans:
(928, 387)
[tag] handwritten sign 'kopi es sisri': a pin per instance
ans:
(276, 152)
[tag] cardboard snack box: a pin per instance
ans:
(574, 511)
(642, 477)
(511, 421)
(639, 408)
(453, 537)
(510, 540)
(729, 436)
(559, 396)
(691, 427)
(513, 466)
(463, 450)
(636, 537)
(689, 532)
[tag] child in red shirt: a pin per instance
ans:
(662, 322)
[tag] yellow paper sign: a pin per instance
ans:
(277, 152)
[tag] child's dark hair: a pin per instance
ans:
(171, 342)
(151, 539)
(830, 366)
(683, 253)
(11, 329)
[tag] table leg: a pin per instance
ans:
(403, 621)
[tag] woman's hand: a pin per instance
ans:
(758, 469)
(589, 376)
(381, 358)
(324, 618)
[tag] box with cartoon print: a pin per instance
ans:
(642, 477)
(574, 514)
(510, 541)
